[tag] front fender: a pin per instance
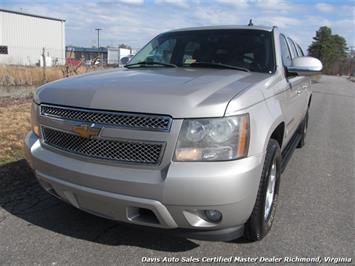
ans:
(264, 119)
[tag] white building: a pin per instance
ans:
(23, 37)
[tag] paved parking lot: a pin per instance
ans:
(315, 216)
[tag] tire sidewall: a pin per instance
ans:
(257, 227)
(303, 131)
(268, 222)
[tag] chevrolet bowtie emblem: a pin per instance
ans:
(87, 131)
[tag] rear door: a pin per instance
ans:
(291, 105)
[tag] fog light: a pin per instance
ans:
(213, 215)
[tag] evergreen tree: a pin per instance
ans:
(330, 49)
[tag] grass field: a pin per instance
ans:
(15, 123)
(27, 75)
(32, 75)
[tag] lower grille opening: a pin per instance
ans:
(143, 215)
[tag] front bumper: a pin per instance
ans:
(171, 198)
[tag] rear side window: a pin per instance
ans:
(293, 48)
(285, 52)
(299, 50)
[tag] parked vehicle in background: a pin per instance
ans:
(73, 62)
(192, 136)
(126, 59)
(115, 55)
(91, 62)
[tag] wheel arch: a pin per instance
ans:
(279, 133)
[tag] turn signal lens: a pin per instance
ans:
(34, 119)
(35, 130)
(243, 137)
(188, 154)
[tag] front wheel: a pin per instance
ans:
(261, 219)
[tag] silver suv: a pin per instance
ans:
(191, 136)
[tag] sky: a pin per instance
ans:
(135, 22)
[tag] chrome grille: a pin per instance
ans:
(122, 151)
(117, 119)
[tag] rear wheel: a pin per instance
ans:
(262, 217)
(303, 131)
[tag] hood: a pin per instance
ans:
(178, 92)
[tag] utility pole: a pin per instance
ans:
(44, 65)
(98, 37)
(98, 44)
(351, 61)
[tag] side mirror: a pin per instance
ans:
(305, 66)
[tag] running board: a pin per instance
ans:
(289, 149)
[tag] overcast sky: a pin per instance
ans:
(135, 22)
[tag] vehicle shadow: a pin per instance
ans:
(22, 196)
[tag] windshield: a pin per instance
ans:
(249, 49)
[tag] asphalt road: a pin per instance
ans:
(315, 216)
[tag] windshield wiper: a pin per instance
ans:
(149, 63)
(211, 64)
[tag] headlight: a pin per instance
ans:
(217, 139)
(34, 119)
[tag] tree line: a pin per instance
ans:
(332, 51)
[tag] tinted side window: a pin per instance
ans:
(300, 51)
(286, 56)
(293, 48)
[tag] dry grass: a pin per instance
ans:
(15, 123)
(26, 75)
(32, 75)
(15, 113)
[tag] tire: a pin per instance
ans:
(303, 131)
(261, 218)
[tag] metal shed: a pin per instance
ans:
(23, 37)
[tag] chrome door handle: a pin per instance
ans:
(298, 92)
